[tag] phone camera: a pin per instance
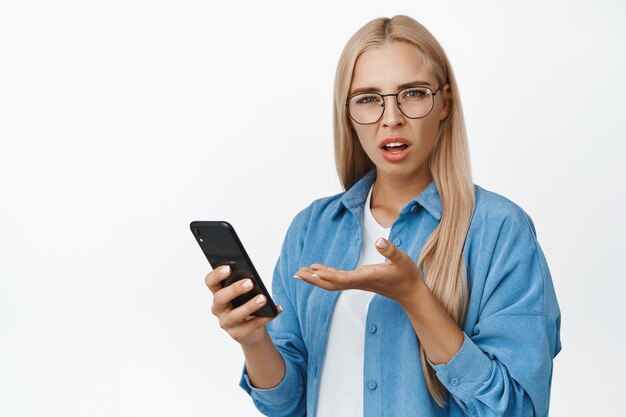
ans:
(196, 231)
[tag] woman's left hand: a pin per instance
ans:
(398, 278)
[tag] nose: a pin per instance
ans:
(392, 116)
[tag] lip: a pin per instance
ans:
(395, 156)
(397, 139)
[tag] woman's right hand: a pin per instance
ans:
(238, 322)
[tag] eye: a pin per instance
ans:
(415, 93)
(366, 99)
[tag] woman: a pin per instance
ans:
(414, 292)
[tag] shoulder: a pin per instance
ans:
(499, 226)
(320, 211)
(303, 235)
(505, 260)
(493, 210)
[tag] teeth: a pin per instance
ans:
(394, 144)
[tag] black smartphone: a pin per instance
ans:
(222, 246)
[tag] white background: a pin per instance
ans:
(122, 121)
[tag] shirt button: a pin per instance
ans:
(372, 385)
(397, 242)
(454, 381)
(373, 328)
(413, 208)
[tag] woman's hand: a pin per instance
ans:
(398, 278)
(239, 323)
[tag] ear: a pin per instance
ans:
(447, 98)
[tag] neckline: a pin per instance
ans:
(429, 199)
(369, 217)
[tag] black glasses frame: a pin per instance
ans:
(433, 94)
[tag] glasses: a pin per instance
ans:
(414, 102)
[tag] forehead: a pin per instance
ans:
(386, 67)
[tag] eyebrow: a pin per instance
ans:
(377, 90)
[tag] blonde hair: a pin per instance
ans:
(441, 259)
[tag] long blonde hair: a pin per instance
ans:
(441, 259)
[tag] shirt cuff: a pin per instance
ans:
(279, 395)
(467, 371)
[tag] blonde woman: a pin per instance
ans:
(414, 292)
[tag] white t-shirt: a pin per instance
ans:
(341, 384)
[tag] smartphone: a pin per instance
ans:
(222, 246)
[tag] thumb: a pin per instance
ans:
(388, 250)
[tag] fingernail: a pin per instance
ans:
(260, 299)
(381, 243)
(315, 276)
(279, 308)
(225, 269)
(295, 276)
(247, 284)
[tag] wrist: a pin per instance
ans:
(412, 302)
(259, 337)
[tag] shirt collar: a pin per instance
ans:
(429, 199)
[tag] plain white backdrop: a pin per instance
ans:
(122, 121)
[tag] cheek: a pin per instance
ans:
(426, 132)
(365, 136)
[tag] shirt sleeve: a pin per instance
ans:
(288, 398)
(504, 367)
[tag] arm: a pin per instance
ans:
(503, 367)
(283, 342)
(437, 332)
(264, 364)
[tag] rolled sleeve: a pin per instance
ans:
(276, 397)
(466, 372)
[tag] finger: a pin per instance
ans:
(213, 278)
(321, 266)
(239, 314)
(341, 279)
(357, 278)
(223, 297)
(313, 277)
(390, 251)
(249, 326)
(314, 270)
(310, 272)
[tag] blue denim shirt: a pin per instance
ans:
(511, 331)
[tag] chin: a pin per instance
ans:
(402, 170)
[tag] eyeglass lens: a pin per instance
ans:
(415, 102)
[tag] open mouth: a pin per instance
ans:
(395, 147)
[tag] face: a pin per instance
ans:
(383, 70)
